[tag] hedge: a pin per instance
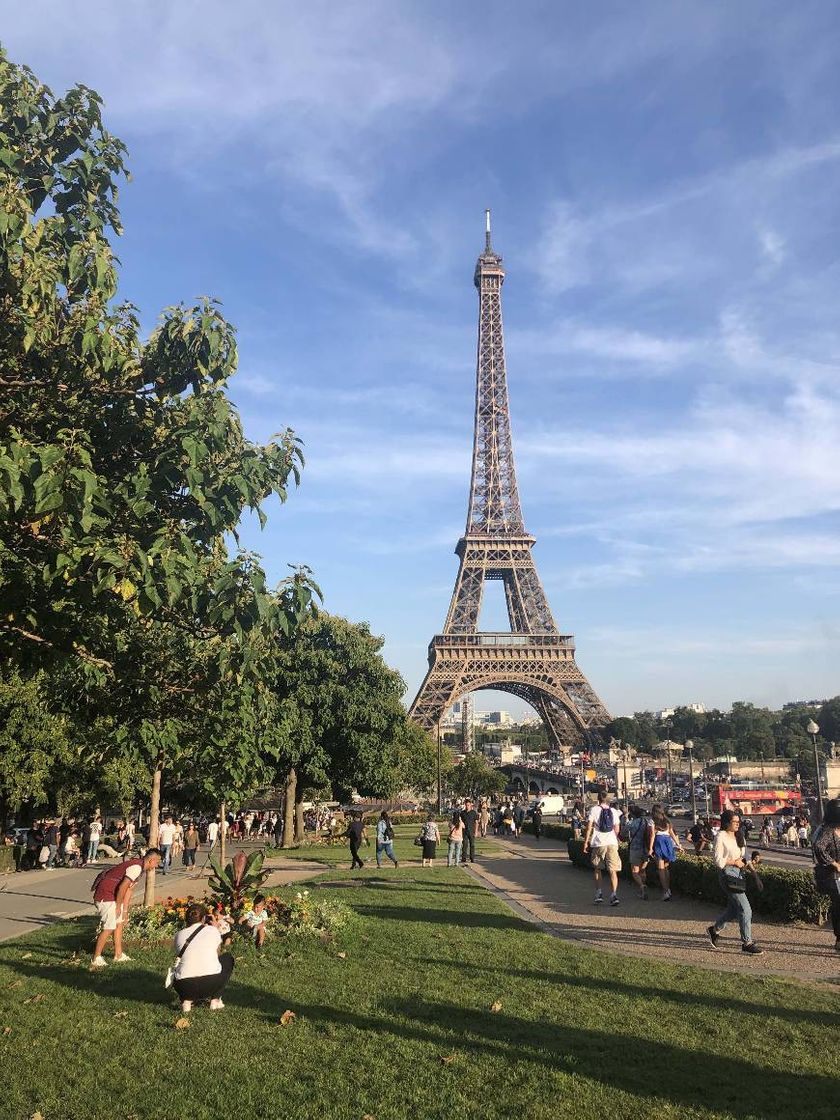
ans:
(10, 857)
(551, 831)
(789, 894)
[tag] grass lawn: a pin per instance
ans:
(404, 849)
(404, 1026)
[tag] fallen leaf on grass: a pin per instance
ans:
(446, 1059)
(120, 1014)
(342, 956)
(7, 1031)
(26, 957)
(287, 1017)
(181, 1024)
(497, 1006)
(37, 1116)
(36, 999)
(15, 984)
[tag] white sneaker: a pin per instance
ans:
(186, 1006)
(666, 896)
(122, 958)
(599, 897)
(216, 1005)
(98, 962)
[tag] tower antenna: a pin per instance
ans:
(487, 230)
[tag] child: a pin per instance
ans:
(71, 853)
(256, 918)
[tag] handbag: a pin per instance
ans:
(733, 879)
(170, 972)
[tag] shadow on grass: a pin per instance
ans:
(460, 917)
(602, 986)
(620, 1061)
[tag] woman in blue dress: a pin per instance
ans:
(664, 847)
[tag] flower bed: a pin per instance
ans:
(292, 912)
(789, 894)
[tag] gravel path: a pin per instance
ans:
(540, 883)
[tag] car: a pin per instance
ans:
(676, 809)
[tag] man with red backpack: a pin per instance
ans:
(112, 897)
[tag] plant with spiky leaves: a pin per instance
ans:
(242, 876)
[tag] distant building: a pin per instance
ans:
(494, 719)
(667, 713)
(509, 752)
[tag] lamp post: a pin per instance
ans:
(813, 730)
(439, 775)
(668, 765)
(689, 746)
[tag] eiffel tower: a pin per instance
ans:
(534, 660)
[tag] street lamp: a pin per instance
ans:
(813, 730)
(689, 746)
(439, 773)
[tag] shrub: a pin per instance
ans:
(789, 894)
(551, 831)
(10, 857)
(242, 876)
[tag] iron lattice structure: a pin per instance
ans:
(534, 661)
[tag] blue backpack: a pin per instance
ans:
(605, 820)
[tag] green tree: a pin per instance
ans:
(648, 733)
(626, 729)
(123, 463)
(474, 777)
(828, 719)
(346, 722)
(33, 746)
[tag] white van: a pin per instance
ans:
(553, 804)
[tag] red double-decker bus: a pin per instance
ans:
(752, 799)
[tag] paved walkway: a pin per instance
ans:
(538, 880)
(31, 899)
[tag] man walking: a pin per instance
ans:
(51, 842)
(537, 820)
(356, 834)
(212, 834)
(166, 838)
(112, 897)
(469, 819)
(602, 825)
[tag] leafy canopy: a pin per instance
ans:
(123, 464)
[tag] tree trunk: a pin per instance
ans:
(289, 798)
(154, 822)
(222, 834)
(299, 830)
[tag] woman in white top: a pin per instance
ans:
(200, 973)
(728, 855)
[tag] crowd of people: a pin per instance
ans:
(203, 967)
(651, 837)
(58, 842)
(72, 842)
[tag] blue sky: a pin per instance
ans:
(664, 185)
